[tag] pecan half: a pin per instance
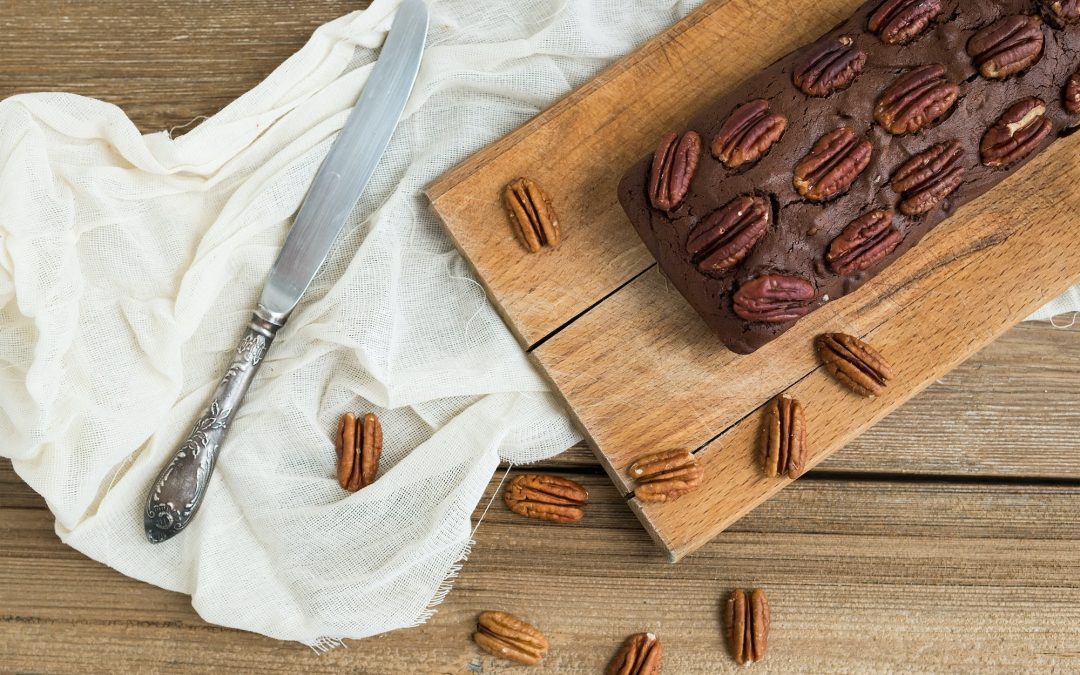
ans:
(508, 637)
(1060, 13)
(673, 165)
(359, 446)
(665, 476)
(747, 621)
(783, 438)
(853, 363)
(865, 242)
(1006, 46)
(774, 298)
(1016, 133)
(726, 235)
(828, 66)
(639, 655)
(747, 134)
(1072, 94)
(559, 500)
(832, 165)
(915, 99)
(531, 215)
(899, 21)
(929, 177)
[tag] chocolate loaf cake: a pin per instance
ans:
(811, 177)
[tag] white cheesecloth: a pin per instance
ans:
(130, 263)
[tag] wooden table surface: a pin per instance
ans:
(946, 538)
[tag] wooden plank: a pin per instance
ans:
(995, 416)
(862, 576)
(580, 148)
(984, 270)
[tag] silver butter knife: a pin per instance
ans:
(179, 489)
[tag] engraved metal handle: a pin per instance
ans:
(179, 489)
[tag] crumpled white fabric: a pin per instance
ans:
(129, 265)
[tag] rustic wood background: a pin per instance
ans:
(945, 538)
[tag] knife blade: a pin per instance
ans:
(176, 494)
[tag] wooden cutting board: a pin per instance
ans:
(638, 369)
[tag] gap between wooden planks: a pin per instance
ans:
(638, 370)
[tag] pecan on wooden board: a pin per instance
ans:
(853, 363)
(359, 447)
(531, 215)
(508, 637)
(665, 476)
(559, 500)
(783, 438)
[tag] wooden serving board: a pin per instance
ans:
(637, 367)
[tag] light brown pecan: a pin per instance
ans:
(929, 177)
(1060, 13)
(853, 363)
(865, 242)
(899, 21)
(665, 476)
(747, 134)
(559, 500)
(531, 215)
(359, 446)
(1072, 94)
(915, 99)
(828, 66)
(1006, 46)
(774, 298)
(508, 637)
(725, 236)
(748, 622)
(1016, 133)
(673, 165)
(832, 165)
(639, 655)
(783, 438)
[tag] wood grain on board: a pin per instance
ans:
(636, 366)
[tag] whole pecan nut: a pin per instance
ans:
(1015, 134)
(853, 363)
(666, 475)
(359, 446)
(828, 66)
(865, 242)
(747, 134)
(899, 21)
(1006, 46)
(725, 236)
(1060, 13)
(915, 99)
(531, 215)
(783, 438)
(748, 622)
(559, 500)
(929, 177)
(832, 165)
(639, 655)
(508, 637)
(774, 298)
(1072, 94)
(673, 165)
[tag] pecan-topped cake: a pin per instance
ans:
(811, 177)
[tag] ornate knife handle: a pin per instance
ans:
(181, 485)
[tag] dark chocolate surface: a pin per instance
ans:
(801, 230)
